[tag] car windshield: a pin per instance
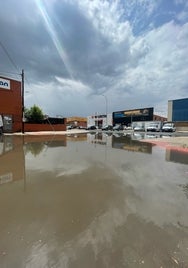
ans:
(153, 125)
(168, 125)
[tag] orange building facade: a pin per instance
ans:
(11, 104)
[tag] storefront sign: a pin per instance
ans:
(4, 83)
(138, 112)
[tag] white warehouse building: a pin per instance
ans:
(99, 120)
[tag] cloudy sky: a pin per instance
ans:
(79, 55)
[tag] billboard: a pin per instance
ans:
(128, 116)
(129, 113)
(4, 83)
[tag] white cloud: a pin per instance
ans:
(106, 17)
(159, 65)
(69, 86)
(112, 47)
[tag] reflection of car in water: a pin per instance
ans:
(152, 136)
(138, 136)
(168, 127)
(117, 135)
(1, 145)
(1, 125)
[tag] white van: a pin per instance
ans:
(154, 127)
(1, 124)
(168, 127)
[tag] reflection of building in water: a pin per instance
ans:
(176, 156)
(6, 144)
(100, 138)
(14, 148)
(12, 159)
(47, 139)
(127, 143)
(120, 142)
(77, 137)
(36, 144)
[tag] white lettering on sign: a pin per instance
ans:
(4, 83)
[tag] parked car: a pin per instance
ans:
(154, 127)
(129, 128)
(108, 127)
(168, 127)
(81, 127)
(70, 127)
(91, 127)
(118, 127)
(139, 128)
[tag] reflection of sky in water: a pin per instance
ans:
(89, 205)
(153, 181)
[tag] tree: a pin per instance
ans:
(34, 114)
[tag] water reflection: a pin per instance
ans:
(129, 143)
(12, 160)
(91, 201)
(120, 141)
(177, 156)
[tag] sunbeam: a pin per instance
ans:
(52, 32)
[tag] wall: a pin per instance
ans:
(159, 118)
(170, 107)
(180, 110)
(44, 127)
(12, 160)
(181, 126)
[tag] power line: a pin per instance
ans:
(8, 55)
(11, 75)
(5, 72)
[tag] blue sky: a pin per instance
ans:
(73, 51)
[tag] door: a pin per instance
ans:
(7, 123)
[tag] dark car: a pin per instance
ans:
(108, 127)
(91, 128)
(118, 127)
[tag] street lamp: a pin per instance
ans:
(22, 75)
(106, 101)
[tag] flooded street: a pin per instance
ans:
(92, 200)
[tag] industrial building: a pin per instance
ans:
(178, 110)
(11, 104)
(99, 120)
(126, 117)
(77, 122)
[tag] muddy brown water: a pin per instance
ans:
(92, 200)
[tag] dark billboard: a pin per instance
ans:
(128, 116)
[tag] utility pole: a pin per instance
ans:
(22, 74)
(106, 101)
